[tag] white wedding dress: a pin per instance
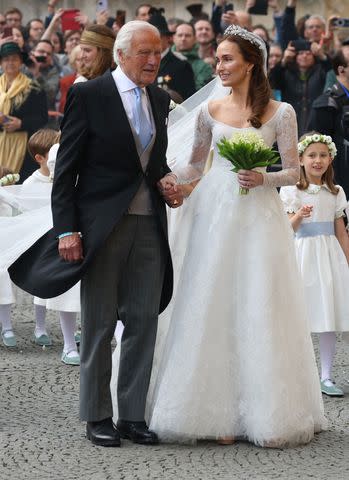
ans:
(234, 355)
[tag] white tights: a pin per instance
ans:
(68, 326)
(5, 317)
(327, 343)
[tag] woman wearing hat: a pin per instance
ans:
(96, 45)
(23, 110)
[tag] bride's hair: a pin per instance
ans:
(259, 92)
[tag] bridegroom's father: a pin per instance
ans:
(110, 219)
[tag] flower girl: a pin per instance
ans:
(316, 209)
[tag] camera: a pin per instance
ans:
(227, 7)
(341, 22)
(40, 59)
(301, 45)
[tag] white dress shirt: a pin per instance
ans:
(126, 88)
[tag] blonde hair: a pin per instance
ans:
(327, 177)
(42, 140)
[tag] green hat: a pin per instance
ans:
(10, 48)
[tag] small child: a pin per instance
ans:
(316, 209)
(43, 146)
(7, 294)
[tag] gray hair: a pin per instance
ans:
(126, 33)
(316, 17)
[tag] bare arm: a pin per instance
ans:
(342, 236)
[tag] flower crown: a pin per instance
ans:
(235, 30)
(317, 138)
(9, 179)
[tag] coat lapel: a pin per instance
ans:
(158, 127)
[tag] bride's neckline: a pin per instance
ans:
(243, 128)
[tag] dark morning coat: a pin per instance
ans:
(97, 174)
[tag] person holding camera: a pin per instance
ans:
(23, 110)
(330, 115)
(44, 70)
(301, 77)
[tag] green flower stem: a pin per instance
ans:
(244, 191)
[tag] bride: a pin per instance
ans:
(234, 357)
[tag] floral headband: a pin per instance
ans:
(317, 138)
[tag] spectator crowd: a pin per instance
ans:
(42, 57)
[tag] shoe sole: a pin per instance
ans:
(332, 394)
(128, 437)
(111, 443)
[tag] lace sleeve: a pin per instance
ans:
(286, 137)
(200, 149)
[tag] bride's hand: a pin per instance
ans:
(250, 178)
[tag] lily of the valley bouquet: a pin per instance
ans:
(247, 151)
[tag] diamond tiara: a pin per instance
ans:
(235, 30)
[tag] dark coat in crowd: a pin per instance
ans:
(176, 75)
(300, 90)
(330, 116)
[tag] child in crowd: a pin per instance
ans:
(43, 146)
(7, 294)
(316, 209)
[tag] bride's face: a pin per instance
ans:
(232, 69)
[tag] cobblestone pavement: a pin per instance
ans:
(41, 437)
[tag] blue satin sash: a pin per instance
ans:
(314, 229)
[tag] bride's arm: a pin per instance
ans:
(286, 137)
(192, 169)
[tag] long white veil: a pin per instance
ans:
(181, 129)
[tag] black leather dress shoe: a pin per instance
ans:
(137, 432)
(103, 433)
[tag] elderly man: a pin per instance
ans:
(109, 217)
(185, 43)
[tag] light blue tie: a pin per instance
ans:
(143, 126)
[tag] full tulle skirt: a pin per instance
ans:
(234, 355)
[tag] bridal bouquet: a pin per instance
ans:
(247, 151)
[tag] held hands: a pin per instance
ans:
(70, 248)
(250, 178)
(171, 192)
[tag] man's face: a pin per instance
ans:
(143, 14)
(36, 30)
(13, 20)
(43, 49)
(142, 60)
(184, 38)
(345, 51)
(72, 42)
(203, 32)
(2, 23)
(313, 29)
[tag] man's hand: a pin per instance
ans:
(70, 248)
(318, 51)
(102, 17)
(171, 192)
(289, 54)
(229, 18)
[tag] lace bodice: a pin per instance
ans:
(282, 128)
